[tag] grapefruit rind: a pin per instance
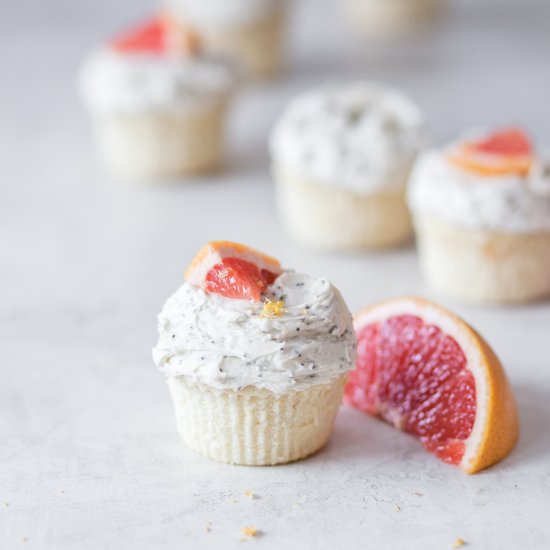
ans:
(496, 426)
(158, 35)
(500, 153)
(213, 252)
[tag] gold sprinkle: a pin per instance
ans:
(249, 532)
(248, 493)
(458, 543)
(397, 508)
(273, 309)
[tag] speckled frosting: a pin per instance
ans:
(110, 81)
(512, 203)
(359, 136)
(231, 344)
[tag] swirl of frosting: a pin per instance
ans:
(511, 203)
(231, 344)
(360, 136)
(111, 81)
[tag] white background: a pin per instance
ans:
(89, 455)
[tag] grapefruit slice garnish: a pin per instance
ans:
(232, 270)
(498, 154)
(427, 372)
(156, 36)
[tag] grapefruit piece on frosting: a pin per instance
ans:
(158, 35)
(232, 270)
(427, 372)
(498, 154)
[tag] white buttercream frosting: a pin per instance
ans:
(360, 136)
(229, 344)
(111, 81)
(511, 203)
(222, 13)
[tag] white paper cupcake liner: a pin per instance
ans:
(379, 18)
(255, 426)
(481, 266)
(333, 217)
(256, 47)
(161, 145)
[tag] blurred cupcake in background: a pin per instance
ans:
(481, 208)
(249, 32)
(158, 106)
(380, 18)
(341, 159)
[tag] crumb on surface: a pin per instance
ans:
(6, 504)
(208, 527)
(24, 540)
(397, 508)
(249, 532)
(458, 543)
(250, 494)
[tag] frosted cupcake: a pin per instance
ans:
(481, 209)
(256, 357)
(379, 18)
(341, 158)
(246, 31)
(157, 106)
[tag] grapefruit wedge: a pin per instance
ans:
(427, 372)
(500, 153)
(158, 35)
(232, 270)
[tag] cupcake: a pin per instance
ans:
(380, 18)
(481, 209)
(341, 158)
(256, 357)
(246, 31)
(157, 106)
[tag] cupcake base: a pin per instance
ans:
(378, 18)
(257, 47)
(167, 145)
(483, 266)
(334, 218)
(254, 426)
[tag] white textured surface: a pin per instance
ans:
(89, 454)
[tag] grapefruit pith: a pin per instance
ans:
(428, 373)
(500, 153)
(232, 270)
(158, 35)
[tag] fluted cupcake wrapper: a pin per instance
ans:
(482, 266)
(158, 145)
(389, 17)
(255, 426)
(334, 217)
(256, 47)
